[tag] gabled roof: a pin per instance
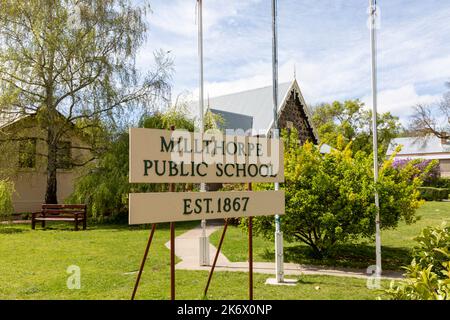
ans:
(429, 147)
(258, 104)
(325, 148)
(7, 119)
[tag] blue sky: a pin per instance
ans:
(326, 40)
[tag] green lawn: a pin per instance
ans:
(396, 244)
(33, 265)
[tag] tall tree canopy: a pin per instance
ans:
(72, 63)
(350, 120)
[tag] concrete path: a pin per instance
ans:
(16, 222)
(187, 249)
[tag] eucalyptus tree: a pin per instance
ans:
(72, 63)
(353, 122)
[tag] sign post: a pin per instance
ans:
(373, 48)
(141, 268)
(205, 292)
(279, 267)
(250, 253)
(172, 253)
(203, 240)
(161, 156)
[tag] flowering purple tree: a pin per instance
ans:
(420, 164)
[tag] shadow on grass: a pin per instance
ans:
(114, 227)
(184, 225)
(9, 230)
(358, 256)
(301, 280)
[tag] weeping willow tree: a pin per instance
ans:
(6, 204)
(71, 64)
(105, 187)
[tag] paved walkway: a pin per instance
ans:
(16, 222)
(187, 249)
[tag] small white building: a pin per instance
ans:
(429, 147)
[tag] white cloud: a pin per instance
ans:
(329, 45)
(226, 87)
(400, 100)
(180, 17)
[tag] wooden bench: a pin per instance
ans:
(60, 212)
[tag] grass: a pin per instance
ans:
(33, 265)
(396, 244)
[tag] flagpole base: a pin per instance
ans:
(279, 259)
(285, 282)
(204, 251)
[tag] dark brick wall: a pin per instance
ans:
(294, 112)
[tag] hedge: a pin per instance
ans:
(438, 183)
(433, 194)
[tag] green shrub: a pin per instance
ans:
(330, 198)
(6, 203)
(438, 183)
(433, 194)
(428, 276)
(433, 248)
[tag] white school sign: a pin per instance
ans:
(184, 206)
(162, 156)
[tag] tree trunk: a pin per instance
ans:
(51, 192)
(317, 253)
(50, 123)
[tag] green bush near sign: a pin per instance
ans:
(428, 275)
(329, 198)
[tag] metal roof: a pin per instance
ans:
(7, 119)
(429, 147)
(233, 121)
(258, 104)
(325, 148)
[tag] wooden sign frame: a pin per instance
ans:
(274, 178)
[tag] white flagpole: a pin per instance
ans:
(278, 234)
(203, 240)
(373, 40)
